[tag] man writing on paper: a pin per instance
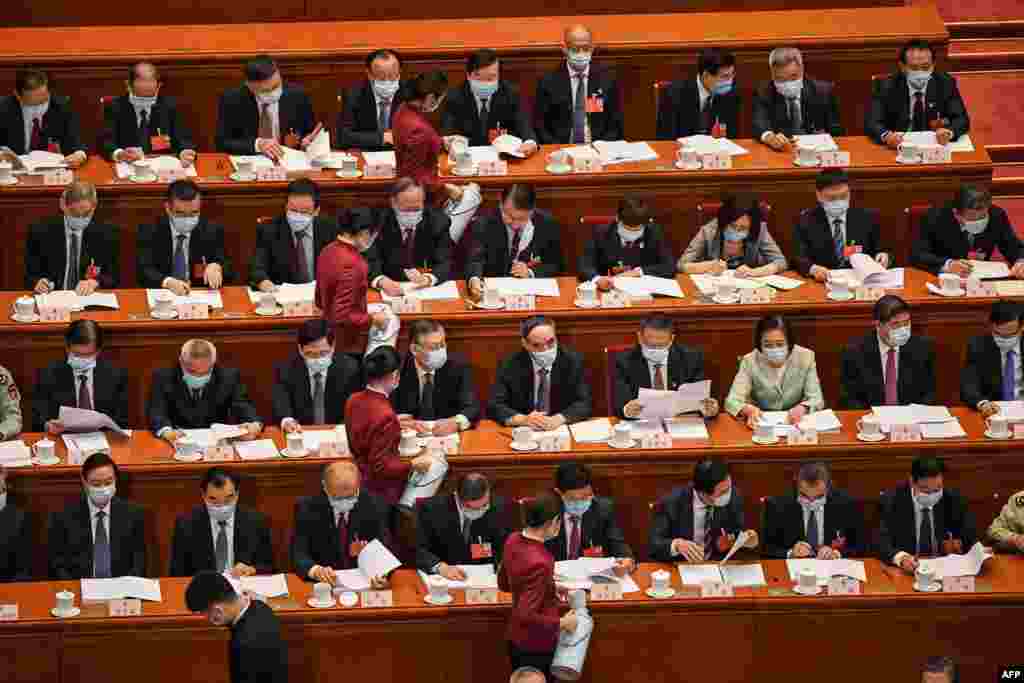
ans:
(412, 243)
(792, 104)
(466, 526)
(486, 106)
(992, 369)
(967, 229)
(182, 247)
(924, 519)
(196, 393)
(889, 366)
(699, 522)
(263, 115)
(916, 98)
(658, 363)
(15, 537)
(257, 653)
(435, 394)
(34, 119)
(81, 380)
(99, 536)
(312, 387)
(542, 386)
(829, 234)
(220, 535)
(333, 527)
(365, 119)
(704, 104)
(814, 520)
(10, 406)
(520, 241)
(589, 524)
(143, 121)
(73, 251)
(632, 246)
(288, 246)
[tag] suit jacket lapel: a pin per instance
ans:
(60, 258)
(640, 370)
(501, 244)
(206, 531)
(873, 363)
(686, 510)
(18, 134)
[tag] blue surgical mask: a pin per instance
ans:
(722, 500)
(653, 355)
(578, 507)
(776, 354)
(321, 364)
(343, 504)
(100, 495)
(221, 513)
(184, 224)
(928, 500)
(899, 336)
(435, 358)
(473, 515)
(483, 89)
(918, 80)
(81, 363)
(976, 227)
(140, 102)
(409, 219)
(36, 111)
(270, 97)
(722, 87)
(77, 223)
(385, 90)
(629, 236)
(836, 208)
(734, 235)
(545, 359)
(1006, 343)
(579, 59)
(194, 382)
(299, 221)
(789, 89)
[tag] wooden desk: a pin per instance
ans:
(673, 194)
(634, 478)
(254, 343)
(892, 628)
(198, 62)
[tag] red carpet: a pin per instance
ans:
(980, 10)
(994, 100)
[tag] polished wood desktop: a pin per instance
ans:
(890, 628)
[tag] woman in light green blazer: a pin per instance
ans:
(777, 375)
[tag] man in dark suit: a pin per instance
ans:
(519, 241)
(700, 521)
(143, 121)
(487, 107)
(589, 524)
(829, 234)
(868, 364)
(72, 251)
(221, 535)
(657, 362)
(702, 105)
(633, 245)
(916, 98)
(412, 241)
(81, 380)
(814, 519)
(467, 526)
(288, 246)
(15, 538)
(792, 104)
(967, 229)
(543, 386)
(182, 248)
(365, 119)
(333, 527)
(99, 536)
(923, 519)
(34, 119)
(258, 653)
(566, 114)
(433, 386)
(992, 370)
(262, 115)
(196, 393)
(312, 387)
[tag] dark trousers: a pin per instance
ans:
(538, 660)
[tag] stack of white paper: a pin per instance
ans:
(210, 297)
(927, 137)
(39, 160)
(312, 439)
(15, 454)
(385, 158)
(269, 586)
(376, 560)
(826, 569)
(592, 431)
(508, 144)
(989, 270)
(1011, 410)
(97, 590)
(822, 421)
(584, 572)
(943, 430)
(687, 427)
(779, 419)
(1010, 288)
(648, 285)
(483, 153)
(912, 414)
(295, 160)
(445, 291)
(778, 282)
(968, 564)
(707, 284)
(661, 404)
(696, 574)
(320, 145)
(620, 151)
(82, 420)
(477, 576)
(159, 164)
(736, 575)
(868, 272)
(351, 579)
(68, 299)
(83, 445)
(516, 286)
(215, 434)
(705, 144)
(562, 431)
(257, 160)
(261, 449)
(641, 428)
(820, 141)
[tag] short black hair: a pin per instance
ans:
(943, 665)
(830, 177)
(381, 362)
(306, 188)
(915, 44)
(734, 207)
(133, 71)
(402, 184)
(218, 476)
(657, 321)
(383, 52)
(926, 466)
(430, 83)
(84, 331)
(532, 323)
(769, 323)
(311, 330)
(713, 59)
(972, 197)
(473, 486)
(633, 210)
(96, 461)
(1004, 311)
(813, 472)
(183, 190)
(888, 307)
(481, 59)
(572, 475)
(708, 474)
(207, 588)
(29, 79)
(542, 508)
(260, 68)
(522, 196)
(352, 223)
(421, 328)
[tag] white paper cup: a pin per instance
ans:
(268, 302)
(186, 447)
(296, 443)
(522, 436)
(840, 286)
(725, 288)
(142, 169)
(491, 296)
(924, 576)
(65, 602)
(998, 425)
(659, 580)
(438, 588)
(322, 592)
(869, 425)
(25, 306)
(688, 157)
(6, 171)
(765, 432)
(908, 152)
(244, 168)
(45, 450)
(409, 440)
(586, 292)
(622, 434)
(808, 579)
(949, 282)
(806, 155)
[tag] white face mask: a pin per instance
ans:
(790, 89)
(836, 207)
(629, 236)
(722, 500)
(435, 358)
(653, 355)
(918, 80)
(141, 102)
(100, 495)
(928, 500)
(975, 227)
(299, 221)
(579, 59)
(271, 97)
(899, 336)
(1006, 343)
(776, 354)
(385, 89)
(545, 359)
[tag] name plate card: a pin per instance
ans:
(802, 437)
(834, 159)
(715, 589)
(520, 302)
(900, 432)
(193, 311)
(481, 596)
(54, 314)
(659, 440)
(379, 171)
(554, 443)
(868, 293)
(9, 612)
(606, 591)
(586, 164)
(298, 308)
(169, 175)
(492, 167)
(615, 299)
(273, 173)
(957, 584)
(761, 295)
(843, 585)
(719, 161)
(129, 607)
(939, 154)
(377, 598)
(976, 287)
(406, 304)
(61, 176)
(1018, 430)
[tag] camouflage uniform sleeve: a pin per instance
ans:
(1010, 521)
(10, 406)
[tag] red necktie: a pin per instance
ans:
(516, 236)
(346, 561)
(919, 121)
(891, 395)
(407, 242)
(574, 538)
(84, 402)
(659, 377)
(37, 135)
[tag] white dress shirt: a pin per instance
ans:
(88, 374)
(702, 92)
(71, 270)
(525, 239)
(883, 350)
(28, 120)
(536, 378)
(584, 80)
(842, 226)
(700, 514)
(652, 369)
(92, 518)
(918, 513)
(819, 518)
(229, 530)
(275, 120)
(462, 420)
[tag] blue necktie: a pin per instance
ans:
(837, 239)
(1010, 376)
(101, 549)
(180, 260)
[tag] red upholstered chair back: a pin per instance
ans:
(597, 221)
(611, 354)
(658, 87)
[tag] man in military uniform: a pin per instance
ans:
(10, 406)
(1008, 528)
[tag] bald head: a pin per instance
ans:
(578, 37)
(527, 674)
(341, 479)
